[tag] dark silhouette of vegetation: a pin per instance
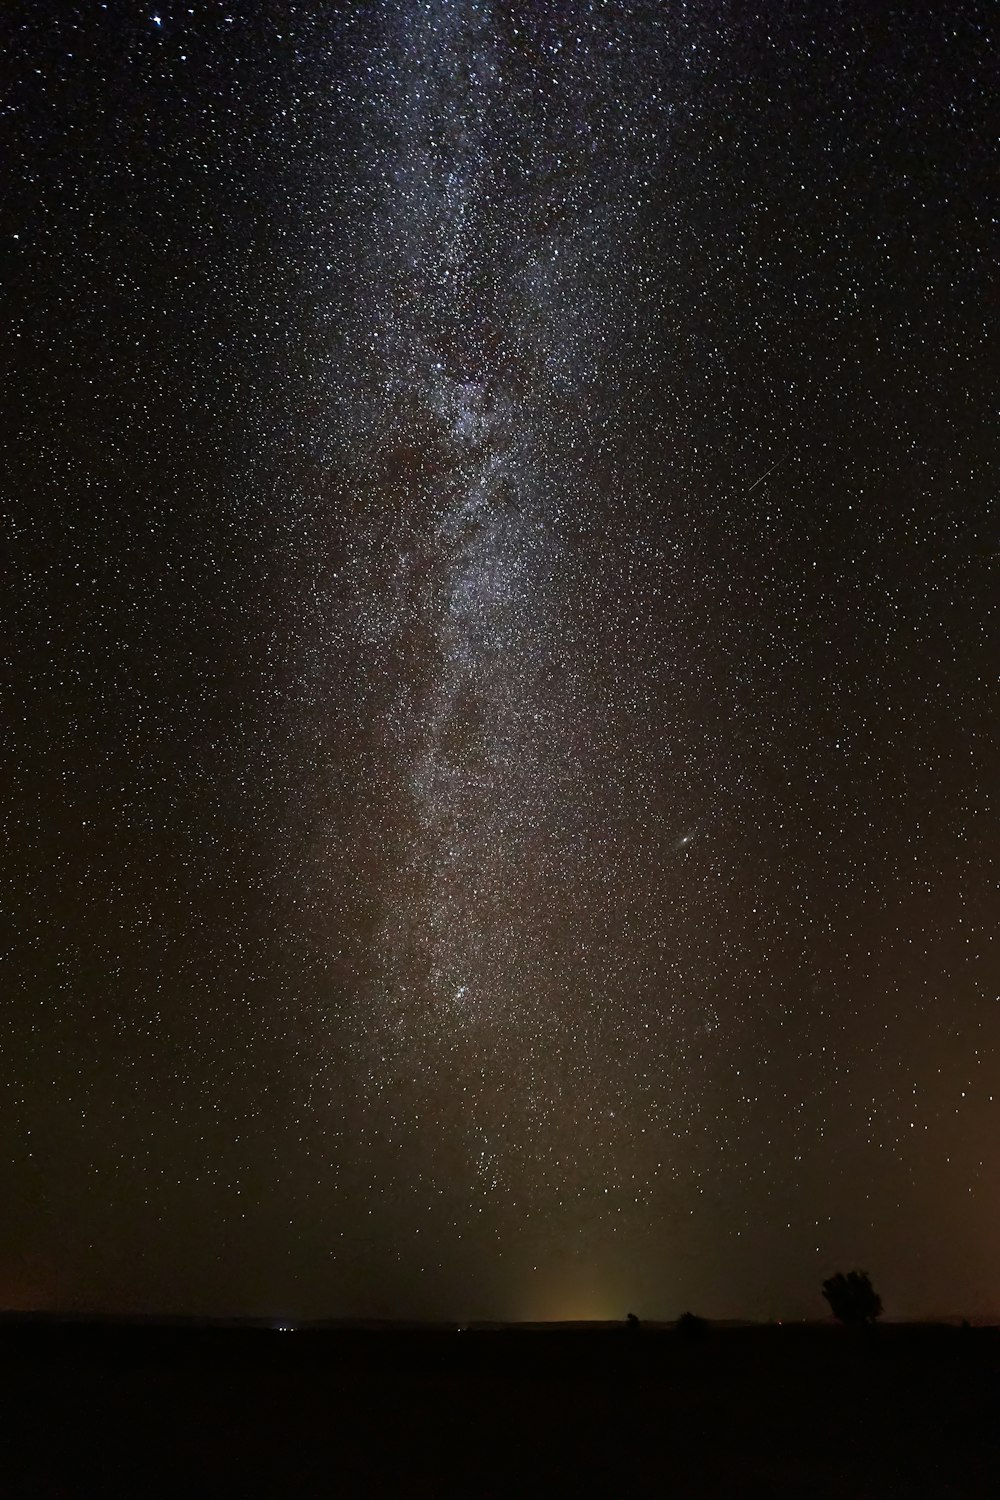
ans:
(852, 1298)
(690, 1326)
(632, 1323)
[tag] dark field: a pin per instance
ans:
(112, 1411)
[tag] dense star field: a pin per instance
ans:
(500, 701)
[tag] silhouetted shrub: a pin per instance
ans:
(852, 1298)
(690, 1326)
(632, 1323)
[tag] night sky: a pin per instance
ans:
(499, 696)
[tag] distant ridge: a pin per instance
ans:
(18, 1317)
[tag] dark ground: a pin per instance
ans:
(112, 1411)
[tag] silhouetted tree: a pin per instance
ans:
(852, 1298)
(690, 1326)
(632, 1323)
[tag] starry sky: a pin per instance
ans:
(498, 674)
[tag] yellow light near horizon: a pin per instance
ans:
(571, 1297)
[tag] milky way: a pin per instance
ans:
(491, 302)
(500, 260)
